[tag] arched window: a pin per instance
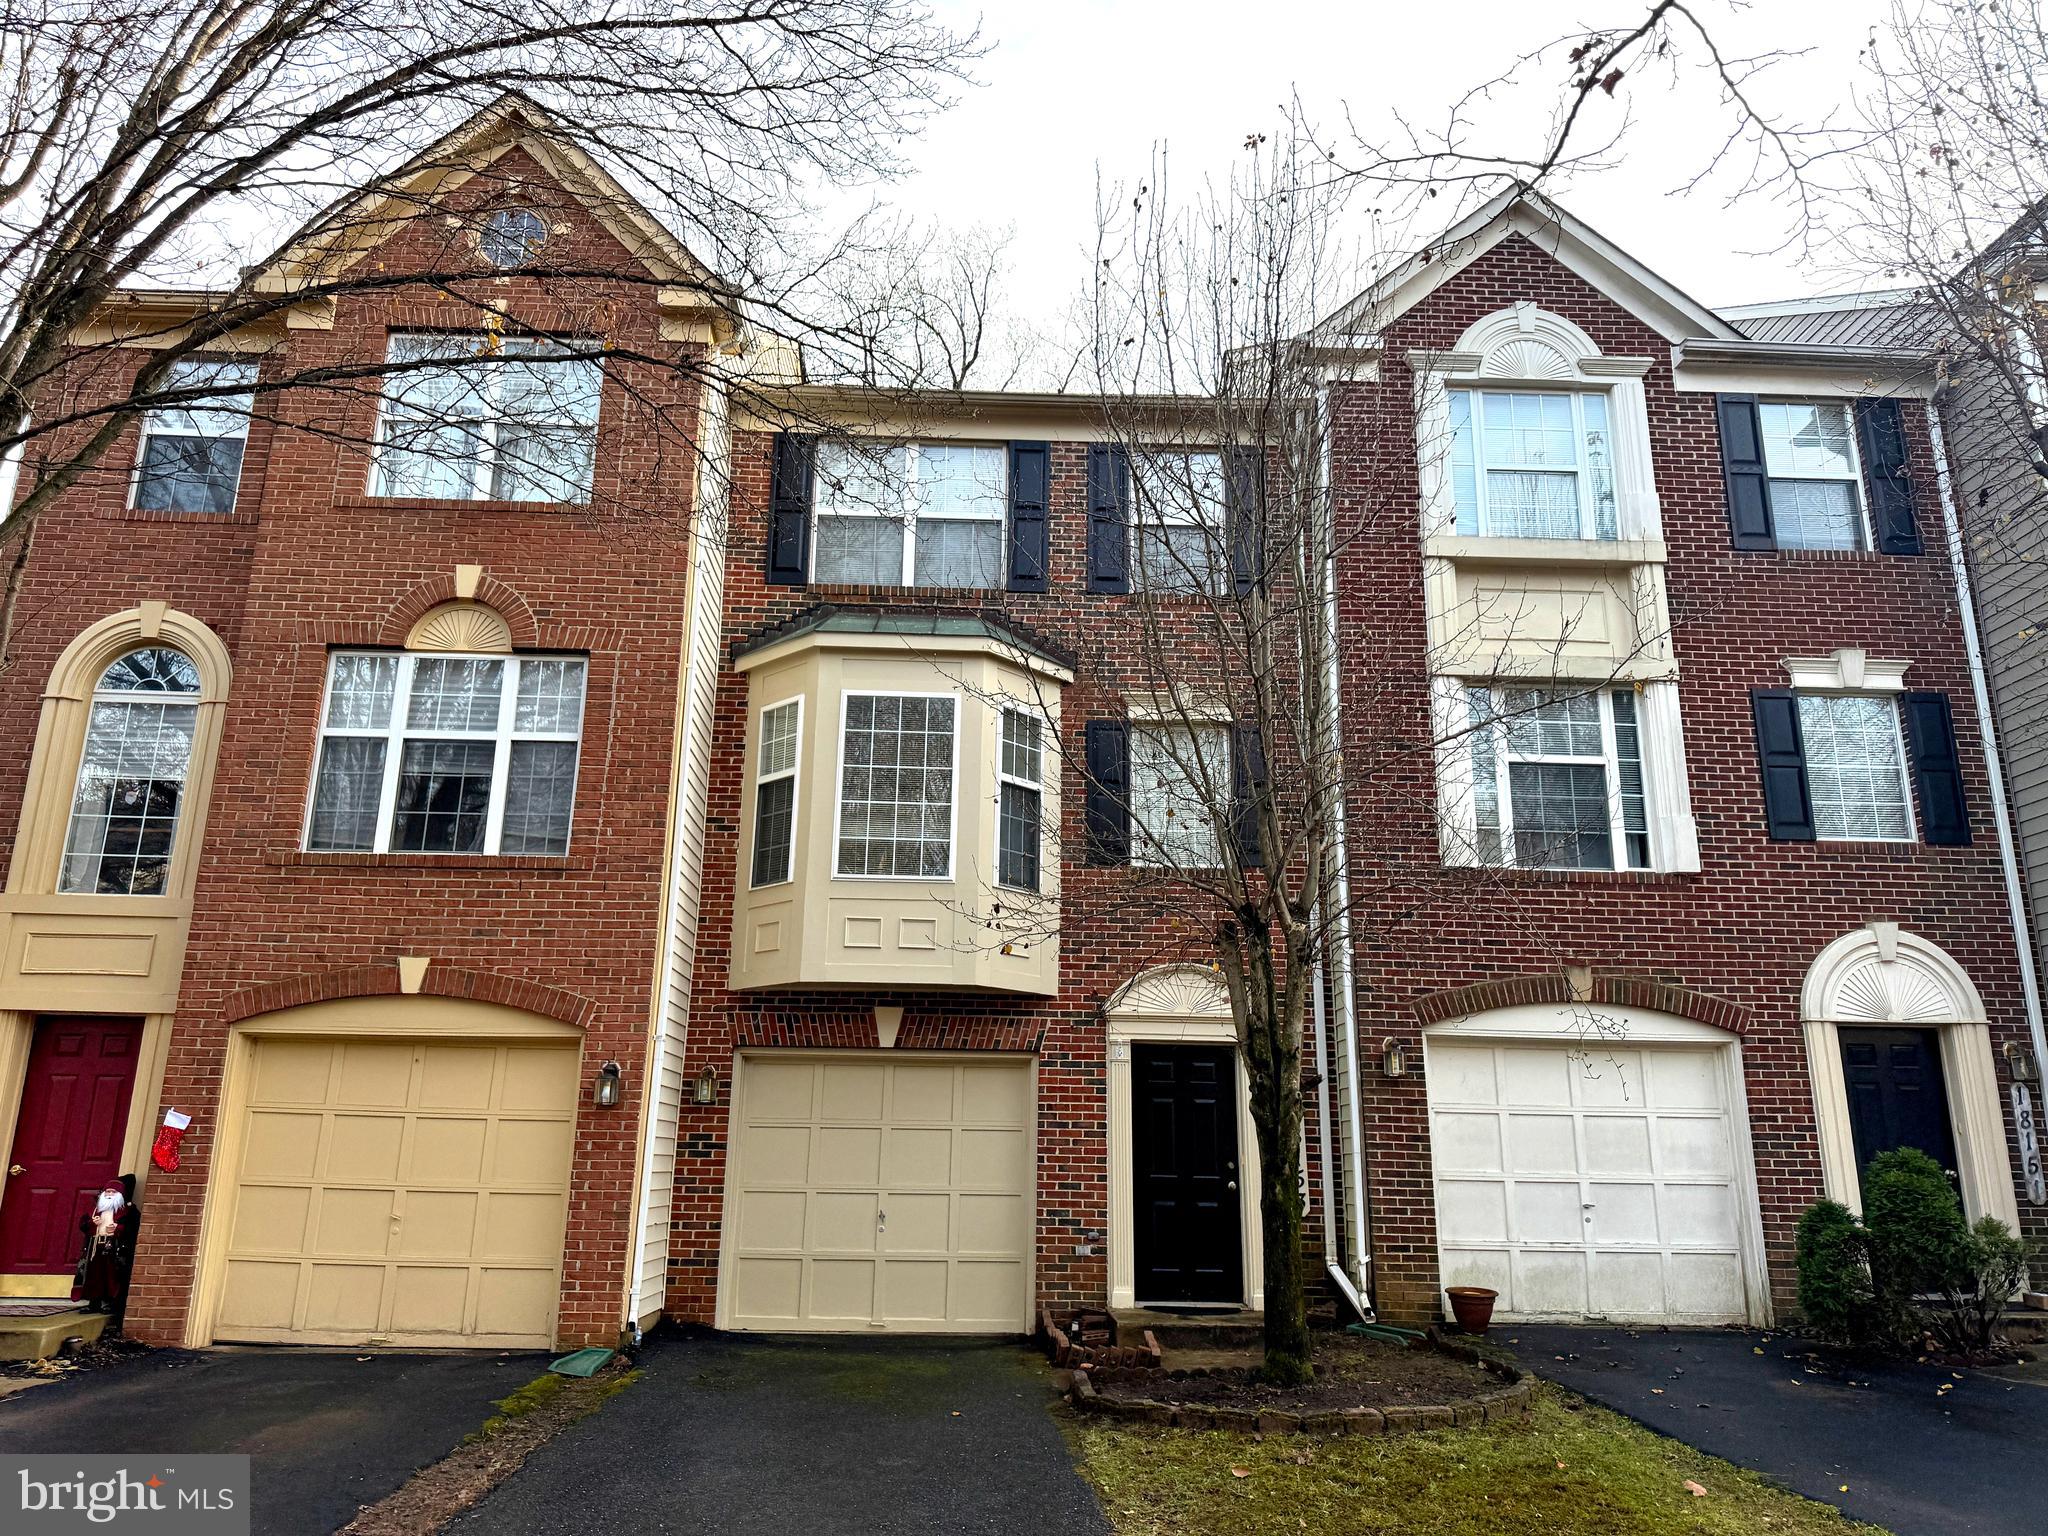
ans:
(131, 775)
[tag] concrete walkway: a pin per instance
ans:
(1971, 1460)
(755, 1436)
(326, 1432)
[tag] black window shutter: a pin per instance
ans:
(1937, 775)
(1109, 519)
(1881, 435)
(1742, 467)
(1247, 789)
(1246, 489)
(1030, 480)
(1788, 802)
(1106, 751)
(789, 509)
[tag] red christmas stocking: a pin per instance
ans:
(165, 1153)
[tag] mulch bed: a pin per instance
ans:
(96, 1356)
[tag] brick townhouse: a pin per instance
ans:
(551, 914)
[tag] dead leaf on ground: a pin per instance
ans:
(1695, 1489)
(1240, 1471)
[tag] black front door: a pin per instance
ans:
(1896, 1094)
(1184, 1147)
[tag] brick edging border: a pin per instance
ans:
(1509, 1404)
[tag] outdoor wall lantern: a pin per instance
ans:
(605, 1092)
(1394, 1059)
(2020, 1063)
(706, 1089)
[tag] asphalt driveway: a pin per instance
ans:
(756, 1436)
(1923, 1461)
(326, 1432)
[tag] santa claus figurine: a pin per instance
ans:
(108, 1252)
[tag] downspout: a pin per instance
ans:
(1357, 1285)
(1980, 687)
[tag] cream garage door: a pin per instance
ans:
(403, 1193)
(869, 1191)
(1588, 1182)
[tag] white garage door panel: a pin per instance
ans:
(872, 1193)
(1588, 1183)
(400, 1193)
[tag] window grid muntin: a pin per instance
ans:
(1507, 731)
(1781, 474)
(173, 709)
(840, 806)
(1162, 519)
(228, 418)
(476, 412)
(396, 732)
(775, 777)
(887, 487)
(1020, 800)
(1885, 722)
(1591, 472)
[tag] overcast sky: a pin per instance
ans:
(1073, 85)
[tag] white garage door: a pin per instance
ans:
(1588, 1182)
(870, 1191)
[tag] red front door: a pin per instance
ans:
(67, 1141)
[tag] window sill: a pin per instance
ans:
(1486, 548)
(165, 515)
(362, 502)
(1854, 556)
(1511, 875)
(301, 859)
(847, 591)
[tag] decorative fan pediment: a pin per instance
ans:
(1173, 991)
(460, 626)
(1880, 975)
(1892, 992)
(1525, 358)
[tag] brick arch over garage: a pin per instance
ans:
(383, 981)
(1610, 991)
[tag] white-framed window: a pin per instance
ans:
(511, 237)
(1532, 464)
(432, 753)
(1815, 477)
(1557, 778)
(775, 773)
(191, 456)
(478, 418)
(898, 763)
(131, 776)
(910, 514)
(1179, 775)
(1856, 767)
(1180, 523)
(1020, 796)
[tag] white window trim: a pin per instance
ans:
(1660, 737)
(794, 773)
(952, 810)
(100, 695)
(1004, 710)
(1854, 479)
(1145, 847)
(482, 466)
(1580, 471)
(148, 431)
(1905, 766)
(1608, 762)
(905, 518)
(395, 734)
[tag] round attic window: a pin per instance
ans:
(512, 237)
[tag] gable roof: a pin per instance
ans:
(1658, 303)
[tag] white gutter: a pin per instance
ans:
(2001, 812)
(1358, 1285)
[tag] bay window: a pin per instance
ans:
(1532, 465)
(191, 456)
(1020, 800)
(1557, 779)
(911, 515)
(775, 792)
(476, 418)
(447, 754)
(897, 763)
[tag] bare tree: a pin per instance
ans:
(257, 155)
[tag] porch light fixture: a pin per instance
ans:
(604, 1093)
(2020, 1064)
(1393, 1058)
(705, 1090)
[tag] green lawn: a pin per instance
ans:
(1573, 1470)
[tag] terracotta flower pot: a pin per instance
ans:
(1472, 1306)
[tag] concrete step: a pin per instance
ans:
(37, 1338)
